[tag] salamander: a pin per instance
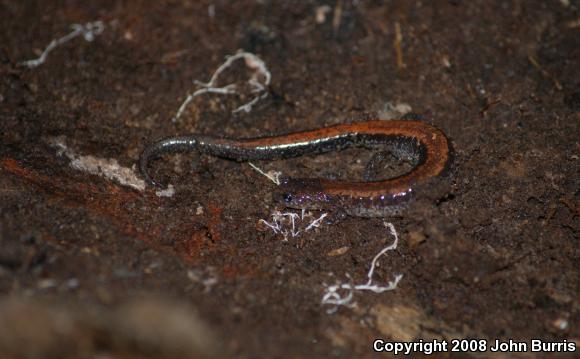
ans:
(428, 145)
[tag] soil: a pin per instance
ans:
(92, 268)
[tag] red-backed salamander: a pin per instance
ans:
(428, 145)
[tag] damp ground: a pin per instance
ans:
(90, 267)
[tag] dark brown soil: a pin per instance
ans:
(107, 271)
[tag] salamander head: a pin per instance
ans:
(302, 194)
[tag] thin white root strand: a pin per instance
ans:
(88, 31)
(272, 175)
(279, 220)
(282, 220)
(274, 226)
(227, 90)
(251, 61)
(333, 297)
(316, 223)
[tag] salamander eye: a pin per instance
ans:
(287, 197)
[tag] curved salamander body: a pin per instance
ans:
(428, 145)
